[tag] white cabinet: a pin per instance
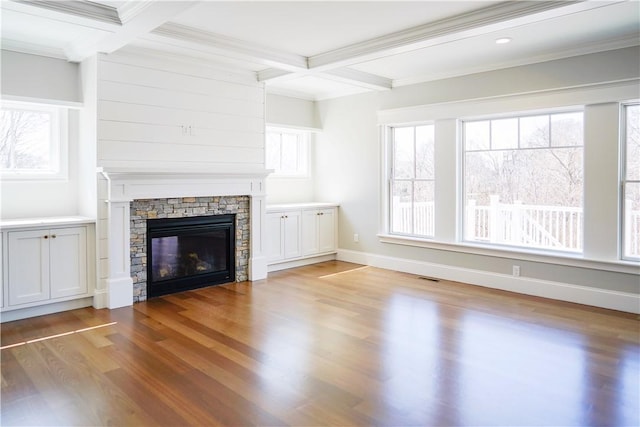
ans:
(300, 232)
(46, 264)
(283, 235)
(318, 231)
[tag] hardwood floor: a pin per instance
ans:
(328, 344)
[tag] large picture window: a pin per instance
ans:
(523, 181)
(631, 183)
(412, 181)
(31, 145)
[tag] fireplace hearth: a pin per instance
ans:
(189, 253)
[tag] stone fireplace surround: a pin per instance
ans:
(117, 191)
(185, 207)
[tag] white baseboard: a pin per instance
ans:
(40, 310)
(622, 301)
(300, 262)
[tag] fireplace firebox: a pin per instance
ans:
(189, 253)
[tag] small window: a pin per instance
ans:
(523, 181)
(631, 183)
(287, 152)
(412, 188)
(31, 144)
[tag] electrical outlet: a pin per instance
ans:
(356, 238)
(516, 270)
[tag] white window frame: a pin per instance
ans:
(390, 173)
(303, 145)
(624, 181)
(58, 142)
(463, 191)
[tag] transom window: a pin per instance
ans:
(30, 141)
(523, 181)
(631, 183)
(412, 181)
(287, 152)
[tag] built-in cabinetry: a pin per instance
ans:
(47, 266)
(299, 234)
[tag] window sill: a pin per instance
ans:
(568, 259)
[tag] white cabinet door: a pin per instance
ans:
(310, 232)
(327, 230)
(274, 236)
(68, 262)
(292, 226)
(28, 255)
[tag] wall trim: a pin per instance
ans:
(300, 262)
(614, 300)
(40, 310)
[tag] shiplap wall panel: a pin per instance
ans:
(153, 151)
(143, 95)
(149, 114)
(144, 76)
(126, 131)
(162, 114)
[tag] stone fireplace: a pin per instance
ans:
(128, 199)
(145, 210)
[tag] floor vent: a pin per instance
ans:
(431, 279)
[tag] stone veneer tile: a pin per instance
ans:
(144, 209)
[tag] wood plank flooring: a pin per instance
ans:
(328, 344)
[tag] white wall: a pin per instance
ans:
(349, 160)
(293, 113)
(56, 82)
(156, 114)
(37, 77)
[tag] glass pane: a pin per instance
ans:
(530, 198)
(401, 211)
(631, 236)
(566, 129)
(504, 134)
(633, 143)
(289, 155)
(425, 152)
(273, 151)
(403, 151)
(423, 208)
(476, 135)
(26, 139)
(534, 131)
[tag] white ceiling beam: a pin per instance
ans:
(274, 74)
(84, 9)
(143, 20)
(234, 47)
(359, 78)
(493, 18)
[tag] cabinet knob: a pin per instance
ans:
(53, 236)
(46, 237)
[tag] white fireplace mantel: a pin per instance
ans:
(118, 187)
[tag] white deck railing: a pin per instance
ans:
(535, 226)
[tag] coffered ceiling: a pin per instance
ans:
(319, 50)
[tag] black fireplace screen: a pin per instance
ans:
(189, 253)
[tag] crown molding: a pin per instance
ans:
(628, 40)
(32, 49)
(499, 16)
(82, 9)
(272, 57)
(132, 8)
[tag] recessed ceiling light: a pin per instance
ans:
(503, 40)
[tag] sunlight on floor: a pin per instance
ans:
(57, 335)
